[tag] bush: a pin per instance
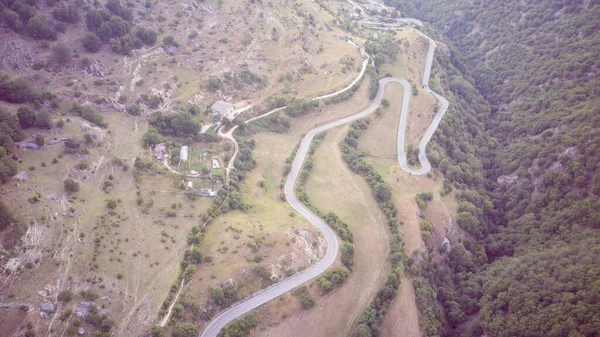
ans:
(347, 254)
(39, 140)
(157, 331)
(15, 91)
(43, 120)
(133, 109)
(26, 117)
(6, 217)
(71, 186)
(39, 28)
(66, 14)
(185, 330)
(240, 327)
(111, 203)
(61, 53)
(147, 36)
(91, 42)
(306, 299)
(89, 113)
(65, 296)
(12, 19)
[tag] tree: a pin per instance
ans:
(39, 140)
(26, 117)
(62, 54)
(65, 296)
(93, 20)
(170, 41)
(361, 330)
(347, 254)
(12, 19)
(157, 331)
(71, 186)
(6, 217)
(43, 120)
(148, 36)
(8, 168)
(217, 294)
(66, 14)
(91, 42)
(16, 90)
(39, 28)
(185, 330)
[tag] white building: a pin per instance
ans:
(183, 154)
(221, 108)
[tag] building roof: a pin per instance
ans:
(221, 107)
(183, 154)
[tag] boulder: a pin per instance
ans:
(47, 306)
(80, 331)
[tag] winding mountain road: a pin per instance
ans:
(318, 268)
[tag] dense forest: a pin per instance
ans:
(521, 146)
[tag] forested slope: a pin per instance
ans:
(536, 64)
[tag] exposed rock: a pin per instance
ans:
(557, 167)
(52, 196)
(446, 245)
(571, 152)
(95, 68)
(170, 49)
(47, 306)
(508, 179)
(54, 141)
(82, 309)
(311, 244)
(22, 176)
(15, 54)
(15, 305)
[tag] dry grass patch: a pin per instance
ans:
(333, 187)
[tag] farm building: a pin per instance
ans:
(183, 154)
(207, 192)
(221, 108)
(160, 151)
(215, 164)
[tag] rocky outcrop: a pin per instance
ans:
(15, 54)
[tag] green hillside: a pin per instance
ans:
(526, 169)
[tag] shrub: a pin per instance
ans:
(12, 19)
(185, 330)
(91, 42)
(39, 140)
(157, 331)
(65, 296)
(39, 28)
(26, 117)
(15, 91)
(306, 299)
(147, 36)
(89, 113)
(66, 14)
(43, 120)
(6, 217)
(347, 254)
(71, 186)
(133, 109)
(111, 203)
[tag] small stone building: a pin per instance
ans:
(221, 108)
